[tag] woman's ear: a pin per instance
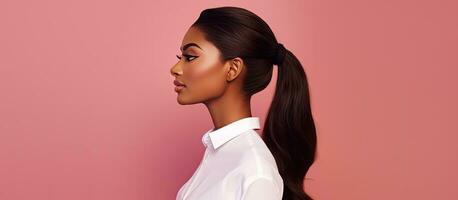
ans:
(235, 67)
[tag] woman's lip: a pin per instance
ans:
(178, 83)
(179, 88)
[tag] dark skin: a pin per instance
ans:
(209, 80)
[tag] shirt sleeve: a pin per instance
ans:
(262, 188)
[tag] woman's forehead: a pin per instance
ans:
(194, 38)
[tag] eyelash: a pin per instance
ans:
(187, 57)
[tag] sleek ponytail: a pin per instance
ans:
(289, 130)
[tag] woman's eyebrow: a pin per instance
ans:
(189, 45)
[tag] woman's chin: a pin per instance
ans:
(181, 100)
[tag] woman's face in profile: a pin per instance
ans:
(199, 67)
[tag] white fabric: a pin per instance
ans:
(237, 165)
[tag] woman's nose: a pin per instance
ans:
(175, 70)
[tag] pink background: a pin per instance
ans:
(88, 110)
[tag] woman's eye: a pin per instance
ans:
(187, 57)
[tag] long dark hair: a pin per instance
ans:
(289, 130)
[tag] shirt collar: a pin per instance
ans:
(222, 135)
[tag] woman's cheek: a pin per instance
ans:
(204, 74)
(197, 72)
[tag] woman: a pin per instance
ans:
(228, 55)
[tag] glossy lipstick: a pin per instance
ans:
(179, 85)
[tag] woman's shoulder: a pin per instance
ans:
(250, 155)
(257, 150)
(258, 159)
(260, 171)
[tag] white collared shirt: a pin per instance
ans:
(237, 165)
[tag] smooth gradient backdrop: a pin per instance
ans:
(88, 110)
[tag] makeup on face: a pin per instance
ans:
(189, 53)
(199, 65)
